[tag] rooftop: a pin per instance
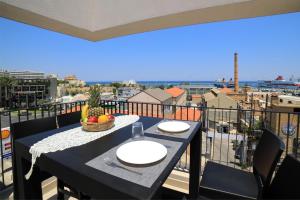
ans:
(174, 91)
(288, 97)
(208, 96)
(158, 94)
(226, 90)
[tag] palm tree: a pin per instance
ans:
(7, 82)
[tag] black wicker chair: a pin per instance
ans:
(27, 128)
(224, 182)
(68, 118)
(65, 120)
(286, 182)
(32, 127)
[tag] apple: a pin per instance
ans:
(93, 119)
(111, 117)
(85, 120)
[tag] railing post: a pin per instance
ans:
(288, 134)
(48, 107)
(297, 136)
(19, 115)
(1, 146)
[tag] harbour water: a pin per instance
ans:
(174, 83)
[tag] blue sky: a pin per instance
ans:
(267, 46)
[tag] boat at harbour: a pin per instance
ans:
(280, 83)
(222, 83)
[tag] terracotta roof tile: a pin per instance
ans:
(196, 95)
(226, 90)
(174, 91)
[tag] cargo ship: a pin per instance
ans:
(222, 83)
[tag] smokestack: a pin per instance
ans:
(236, 73)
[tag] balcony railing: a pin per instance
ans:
(229, 135)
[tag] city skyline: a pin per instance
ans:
(198, 53)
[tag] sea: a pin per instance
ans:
(175, 83)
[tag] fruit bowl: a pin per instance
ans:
(97, 126)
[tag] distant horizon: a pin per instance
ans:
(286, 78)
(167, 81)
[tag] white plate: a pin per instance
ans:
(141, 152)
(174, 126)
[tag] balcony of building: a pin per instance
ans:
(229, 136)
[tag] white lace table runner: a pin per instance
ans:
(73, 138)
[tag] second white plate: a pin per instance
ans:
(174, 126)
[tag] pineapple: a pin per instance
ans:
(94, 109)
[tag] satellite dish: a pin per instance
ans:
(288, 129)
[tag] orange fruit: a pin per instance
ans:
(103, 119)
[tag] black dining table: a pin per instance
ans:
(70, 166)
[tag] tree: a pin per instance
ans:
(114, 91)
(170, 86)
(161, 87)
(117, 85)
(59, 82)
(7, 82)
(143, 87)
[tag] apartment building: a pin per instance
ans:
(127, 92)
(223, 117)
(178, 95)
(155, 98)
(286, 119)
(73, 81)
(28, 88)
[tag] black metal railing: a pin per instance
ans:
(229, 135)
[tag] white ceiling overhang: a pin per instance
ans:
(103, 19)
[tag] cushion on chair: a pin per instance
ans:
(286, 183)
(220, 181)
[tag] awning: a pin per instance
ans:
(103, 19)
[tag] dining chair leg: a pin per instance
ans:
(83, 197)
(60, 186)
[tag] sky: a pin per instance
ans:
(267, 47)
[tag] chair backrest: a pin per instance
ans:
(286, 183)
(68, 118)
(32, 127)
(266, 156)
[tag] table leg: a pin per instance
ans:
(195, 166)
(15, 175)
(26, 189)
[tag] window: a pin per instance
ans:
(289, 102)
(281, 100)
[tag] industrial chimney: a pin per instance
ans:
(236, 73)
